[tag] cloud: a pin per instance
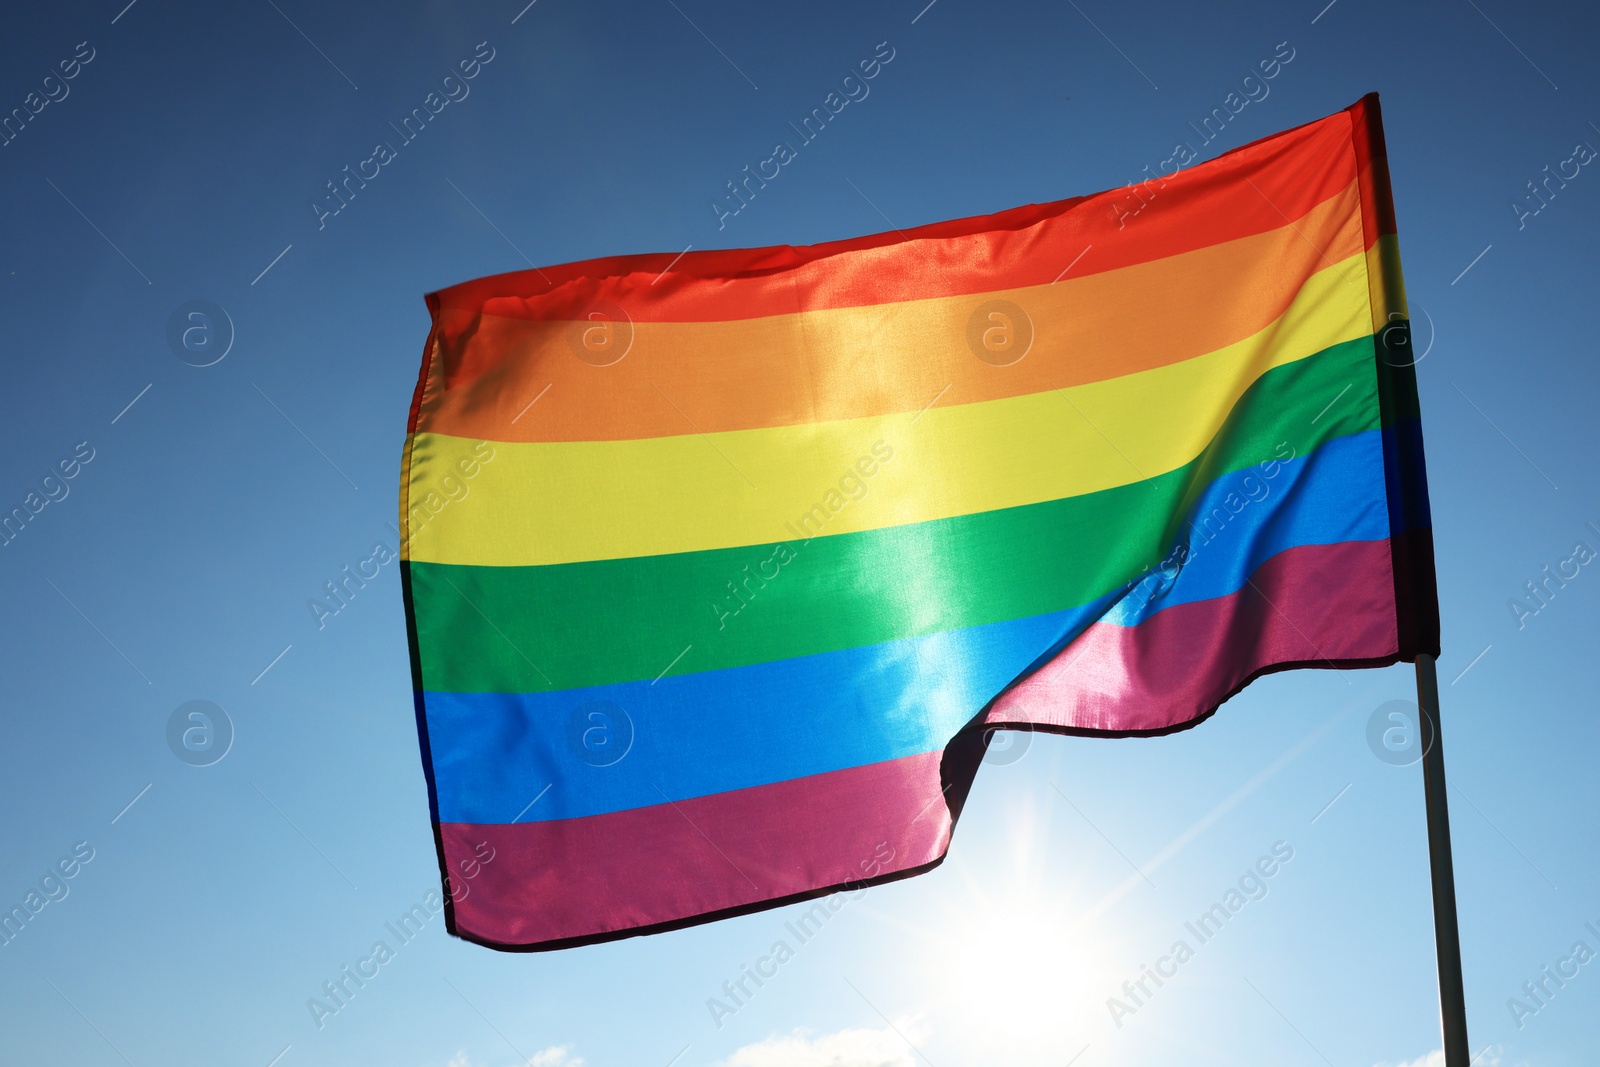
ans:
(554, 1056)
(1489, 1057)
(1432, 1059)
(845, 1048)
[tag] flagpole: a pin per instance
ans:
(1447, 936)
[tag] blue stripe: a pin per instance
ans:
(495, 754)
(1248, 516)
(1406, 475)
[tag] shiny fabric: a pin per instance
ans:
(718, 567)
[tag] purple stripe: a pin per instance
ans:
(1316, 605)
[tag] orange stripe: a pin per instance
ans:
(828, 365)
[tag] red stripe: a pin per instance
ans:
(1288, 174)
(1316, 605)
(417, 394)
(1372, 168)
(621, 873)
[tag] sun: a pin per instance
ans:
(1018, 970)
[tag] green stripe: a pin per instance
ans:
(1397, 372)
(528, 629)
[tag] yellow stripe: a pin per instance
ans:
(1385, 281)
(562, 502)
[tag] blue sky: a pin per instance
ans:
(180, 162)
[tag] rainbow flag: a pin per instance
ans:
(721, 567)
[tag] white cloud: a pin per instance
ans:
(1432, 1059)
(846, 1048)
(1487, 1058)
(554, 1056)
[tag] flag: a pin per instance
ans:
(720, 567)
